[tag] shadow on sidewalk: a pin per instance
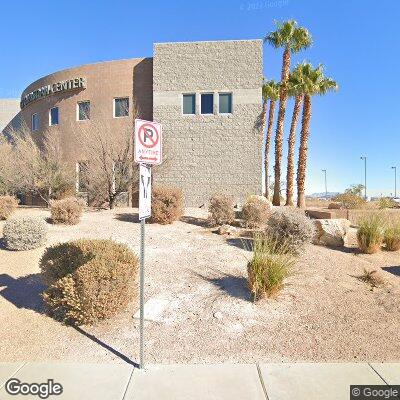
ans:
(106, 346)
(24, 292)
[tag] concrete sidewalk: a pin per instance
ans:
(300, 381)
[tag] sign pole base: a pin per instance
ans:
(142, 231)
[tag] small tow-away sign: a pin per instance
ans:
(148, 142)
(144, 192)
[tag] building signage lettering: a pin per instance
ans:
(63, 86)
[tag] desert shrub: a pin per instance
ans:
(8, 204)
(166, 204)
(350, 200)
(387, 202)
(372, 277)
(221, 210)
(255, 211)
(391, 237)
(370, 233)
(270, 265)
(24, 233)
(88, 280)
(67, 211)
(292, 227)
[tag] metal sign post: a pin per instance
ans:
(144, 212)
(148, 151)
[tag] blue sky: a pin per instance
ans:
(357, 40)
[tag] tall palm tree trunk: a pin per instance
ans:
(276, 200)
(292, 142)
(268, 145)
(302, 164)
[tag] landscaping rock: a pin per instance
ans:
(227, 230)
(331, 232)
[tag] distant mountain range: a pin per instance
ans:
(329, 195)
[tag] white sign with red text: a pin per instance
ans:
(148, 142)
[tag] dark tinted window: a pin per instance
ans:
(83, 110)
(54, 116)
(121, 107)
(207, 103)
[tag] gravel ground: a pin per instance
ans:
(196, 280)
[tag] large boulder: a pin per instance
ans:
(331, 232)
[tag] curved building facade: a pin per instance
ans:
(207, 96)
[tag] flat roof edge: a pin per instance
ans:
(210, 41)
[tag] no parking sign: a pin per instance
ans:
(148, 142)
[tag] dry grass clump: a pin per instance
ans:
(24, 233)
(221, 210)
(391, 237)
(255, 211)
(67, 211)
(270, 266)
(8, 204)
(88, 280)
(370, 233)
(372, 277)
(291, 226)
(387, 202)
(166, 204)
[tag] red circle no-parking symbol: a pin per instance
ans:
(148, 135)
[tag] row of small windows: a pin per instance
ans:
(120, 109)
(207, 103)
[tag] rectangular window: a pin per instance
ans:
(225, 103)
(207, 103)
(189, 104)
(121, 107)
(53, 116)
(83, 110)
(35, 122)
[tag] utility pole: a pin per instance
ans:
(326, 185)
(395, 181)
(365, 176)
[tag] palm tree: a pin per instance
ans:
(293, 39)
(313, 82)
(294, 89)
(270, 91)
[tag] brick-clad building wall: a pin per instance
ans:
(207, 154)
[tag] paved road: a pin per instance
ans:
(300, 381)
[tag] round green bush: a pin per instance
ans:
(88, 280)
(24, 233)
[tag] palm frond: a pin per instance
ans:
(289, 36)
(270, 90)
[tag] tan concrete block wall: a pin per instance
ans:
(214, 153)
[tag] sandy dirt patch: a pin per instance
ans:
(199, 305)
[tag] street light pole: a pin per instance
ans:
(395, 181)
(365, 175)
(326, 185)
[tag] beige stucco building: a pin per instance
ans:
(207, 96)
